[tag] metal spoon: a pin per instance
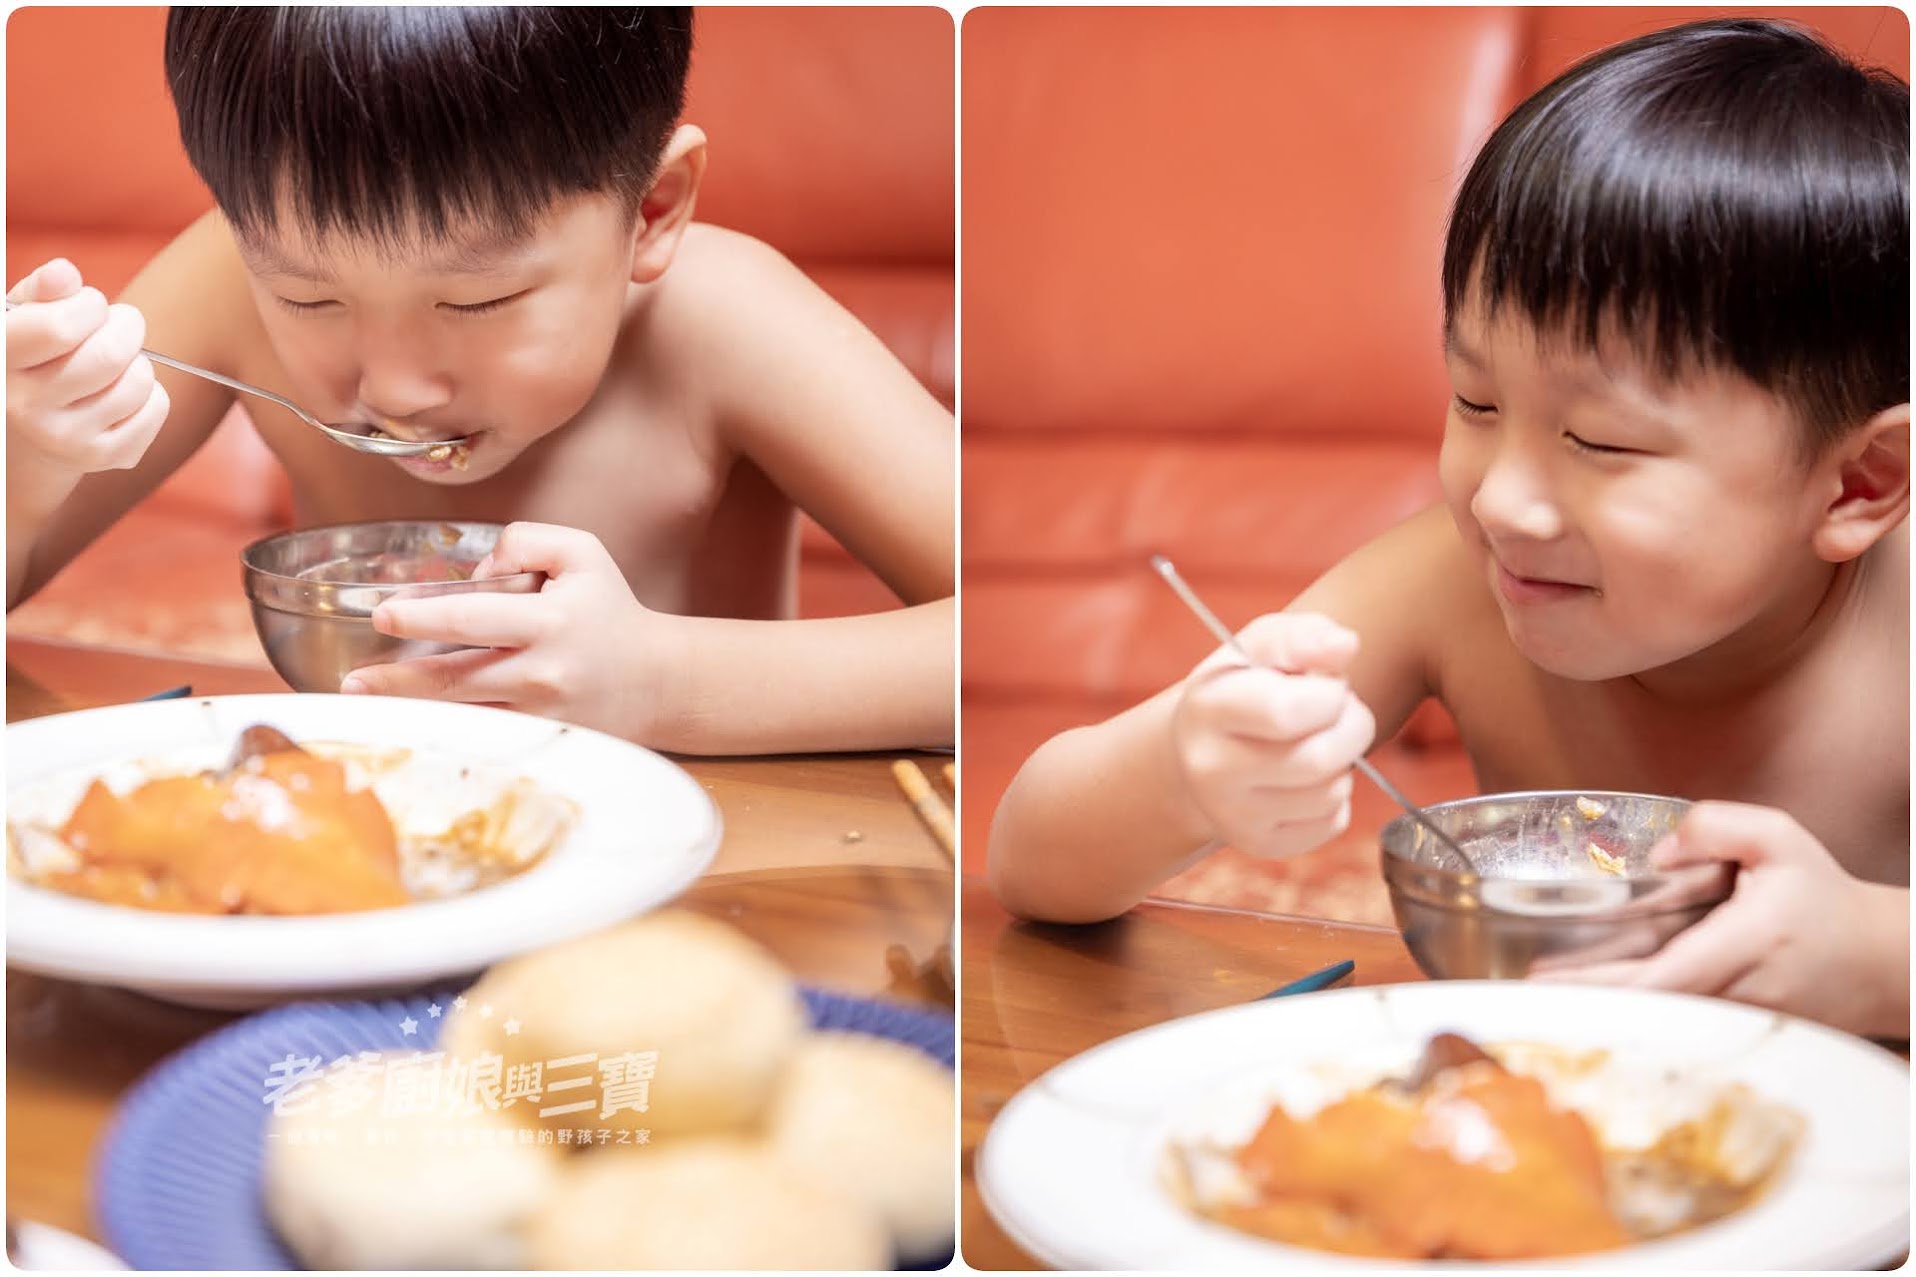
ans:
(380, 446)
(1224, 636)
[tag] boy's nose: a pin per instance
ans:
(401, 374)
(1513, 501)
(400, 391)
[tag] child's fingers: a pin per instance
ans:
(107, 356)
(1319, 758)
(1250, 778)
(1242, 763)
(40, 333)
(49, 282)
(118, 397)
(1616, 950)
(1708, 958)
(1306, 806)
(1616, 974)
(1741, 833)
(542, 547)
(1299, 642)
(1264, 705)
(483, 620)
(450, 676)
(1296, 838)
(123, 443)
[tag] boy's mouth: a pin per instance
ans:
(451, 457)
(416, 432)
(1520, 589)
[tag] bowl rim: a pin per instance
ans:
(1433, 886)
(1405, 820)
(249, 563)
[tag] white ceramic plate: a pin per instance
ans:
(644, 831)
(44, 1247)
(1071, 1166)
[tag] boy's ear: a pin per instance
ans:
(1872, 474)
(666, 209)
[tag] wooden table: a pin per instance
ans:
(867, 915)
(1035, 995)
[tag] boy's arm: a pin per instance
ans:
(818, 403)
(194, 298)
(1101, 815)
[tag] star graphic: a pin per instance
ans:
(512, 1028)
(433, 1010)
(459, 1003)
(409, 1026)
(485, 1012)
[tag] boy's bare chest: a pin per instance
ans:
(659, 500)
(1831, 748)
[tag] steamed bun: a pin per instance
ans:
(370, 1187)
(874, 1118)
(721, 1013)
(721, 1202)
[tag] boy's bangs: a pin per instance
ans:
(393, 123)
(1667, 192)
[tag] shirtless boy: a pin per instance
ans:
(1672, 555)
(480, 222)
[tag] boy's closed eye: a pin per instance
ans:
(1470, 408)
(462, 308)
(480, 308)
(303, 307)
(1580, 444)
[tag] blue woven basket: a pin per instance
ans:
(177, 1180)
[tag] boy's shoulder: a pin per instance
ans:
(717, 249)
(718, 271)
(728, 295)
(196, 297)
(1417, 599)
(1419, 567)
(741, 325)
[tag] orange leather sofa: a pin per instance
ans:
(1201, 316)
(831, 137)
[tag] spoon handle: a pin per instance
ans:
(1223, 633)
(234, 383)
(375, 443)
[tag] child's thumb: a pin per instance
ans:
(1740, 833)
(1299, 643)
(58, 278)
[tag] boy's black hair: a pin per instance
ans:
(1731, 193)
(381, 119)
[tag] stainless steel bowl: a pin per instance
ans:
(1543, 896)
(313, 591)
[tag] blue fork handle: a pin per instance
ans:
(1316, 980)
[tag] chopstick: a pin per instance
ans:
(1316, 980)
(170, 694)
(930, 807)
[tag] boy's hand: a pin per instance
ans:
(1266, 756)
(1799, 934)
(80, 395)
(582, 649)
